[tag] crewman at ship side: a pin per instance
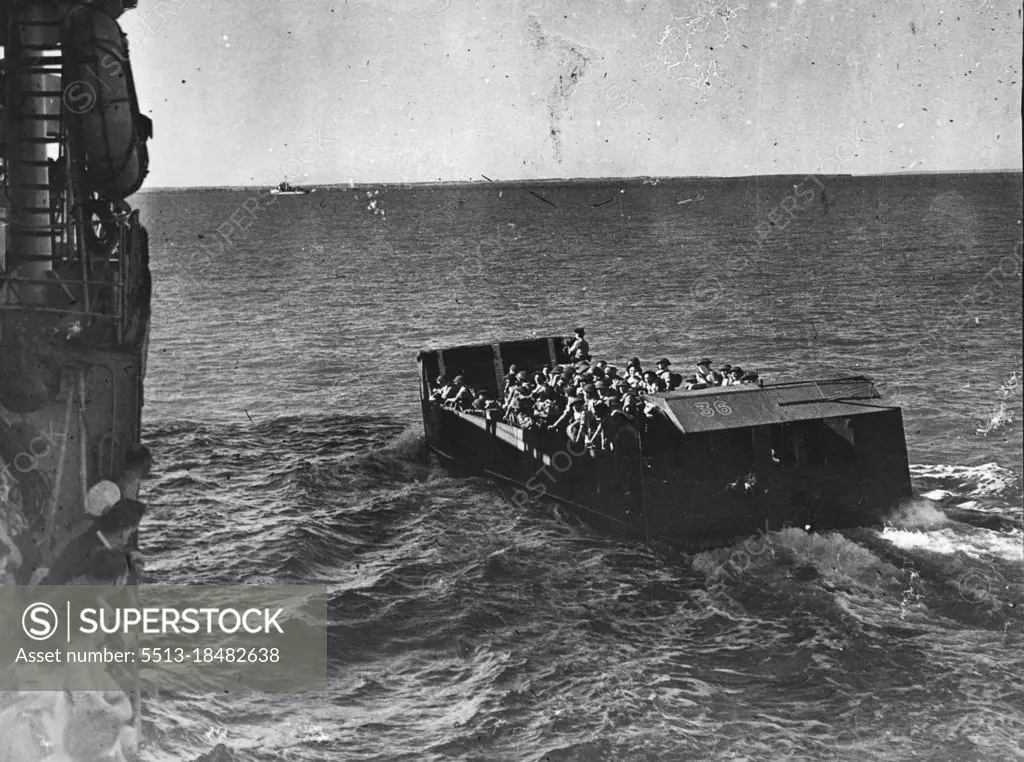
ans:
(138, 461)
(579, 349)
(103, 547)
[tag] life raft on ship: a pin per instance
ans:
(100, 92)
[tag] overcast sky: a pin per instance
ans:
(328, 91)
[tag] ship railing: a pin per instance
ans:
(103, 295)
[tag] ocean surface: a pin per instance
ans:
(282, 409)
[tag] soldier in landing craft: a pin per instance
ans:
(579, 349)
(595, 434)
(694, 382)
(575, 418)
(544, 411)
(462, 397)
(510, 378)
(704, 373)
(651, 384)
(663, 372)
(634, 374)
(442, 389)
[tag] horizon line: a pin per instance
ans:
(484, 180)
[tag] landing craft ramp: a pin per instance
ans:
(733, 407)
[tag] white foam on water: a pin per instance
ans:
(997, 420)
(917, 514)
(988, 479)
(977, 543)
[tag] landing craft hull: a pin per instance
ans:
(602, 489)
(825, 454)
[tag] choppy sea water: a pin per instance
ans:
(281, 405)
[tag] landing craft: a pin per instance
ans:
(703, 468)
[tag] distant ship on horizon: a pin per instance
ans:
(287, 189)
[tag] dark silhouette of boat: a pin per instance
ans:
(287, 189)
(708, 466)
